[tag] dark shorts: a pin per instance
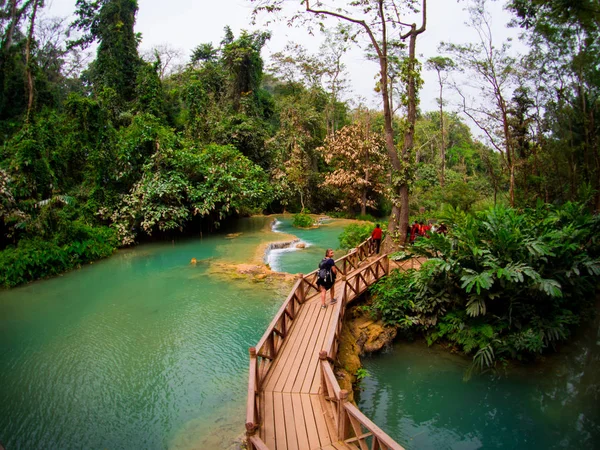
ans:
(326, 284)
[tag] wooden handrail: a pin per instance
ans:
(278, 315)
(251, 411)
(257, 443)
(377, 433)
(348, 418)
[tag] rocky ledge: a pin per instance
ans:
(360, 334)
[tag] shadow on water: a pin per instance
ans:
(418, 396)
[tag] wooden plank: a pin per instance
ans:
(256, 441)
(309, 420)
(290, 422)
(303, 357)
(329, 419)
(320, 419)
(300, 352)
(340, 446)
(308, 368)
(286, 356)
(280, 431)
(312, 381)
(269, 422)
(300, 423)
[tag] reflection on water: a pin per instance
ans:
(140, 351)
(418, 396)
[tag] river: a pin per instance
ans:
(417, 394)
(143, 350)
(147, 351)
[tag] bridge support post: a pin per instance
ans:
(254, 387)
(302, 296)
(342, 422)
(324, 388)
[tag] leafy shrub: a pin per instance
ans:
(366, 218)
(36, 258)
(354, 234)
(501, 284)
(302, 221)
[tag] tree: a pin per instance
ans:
(564, 37)
(441, 64)
(28, 61)
(491, 72)
(356, 155)
(170, 59)
(241, 58)
(301, 129)
(377, 19)
(110, 22)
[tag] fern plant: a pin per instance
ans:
(501, 283)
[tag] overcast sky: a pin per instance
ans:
(184, 24)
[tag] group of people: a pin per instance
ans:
(422, 229)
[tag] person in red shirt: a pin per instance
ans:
(376, 237)
(414, 232)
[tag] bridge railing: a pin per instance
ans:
(263, 355)
(352, 426)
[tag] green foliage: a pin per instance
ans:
(180, 182)
(360, 374)
(37, 258)
(501, 284)
(394, 300)
(302, 220)
(110, 23)
(356, 233)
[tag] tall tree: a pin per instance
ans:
(564, 37)
(241, 57)
(491, 72)
(110, 23)
(441, 65)
(28, 60)
(357, 156)
(379, 20)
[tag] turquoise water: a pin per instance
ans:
(317, 240)
(418, 396)
(140, 351)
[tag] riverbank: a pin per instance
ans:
(360, 334)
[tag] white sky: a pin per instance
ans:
(184, 24)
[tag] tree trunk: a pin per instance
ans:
(409, 134)
(13, 23)
(28, 61)
(395, 223)
(442, 133)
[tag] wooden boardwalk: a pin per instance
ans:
(294, 399)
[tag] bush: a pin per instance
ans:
(354, 234)
(302, 221)
(37, 258)
(501, 284)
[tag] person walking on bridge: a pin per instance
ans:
(326, 277)
(376, 238)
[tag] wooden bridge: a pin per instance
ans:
(294, 399)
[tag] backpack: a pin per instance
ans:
(324, 272)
